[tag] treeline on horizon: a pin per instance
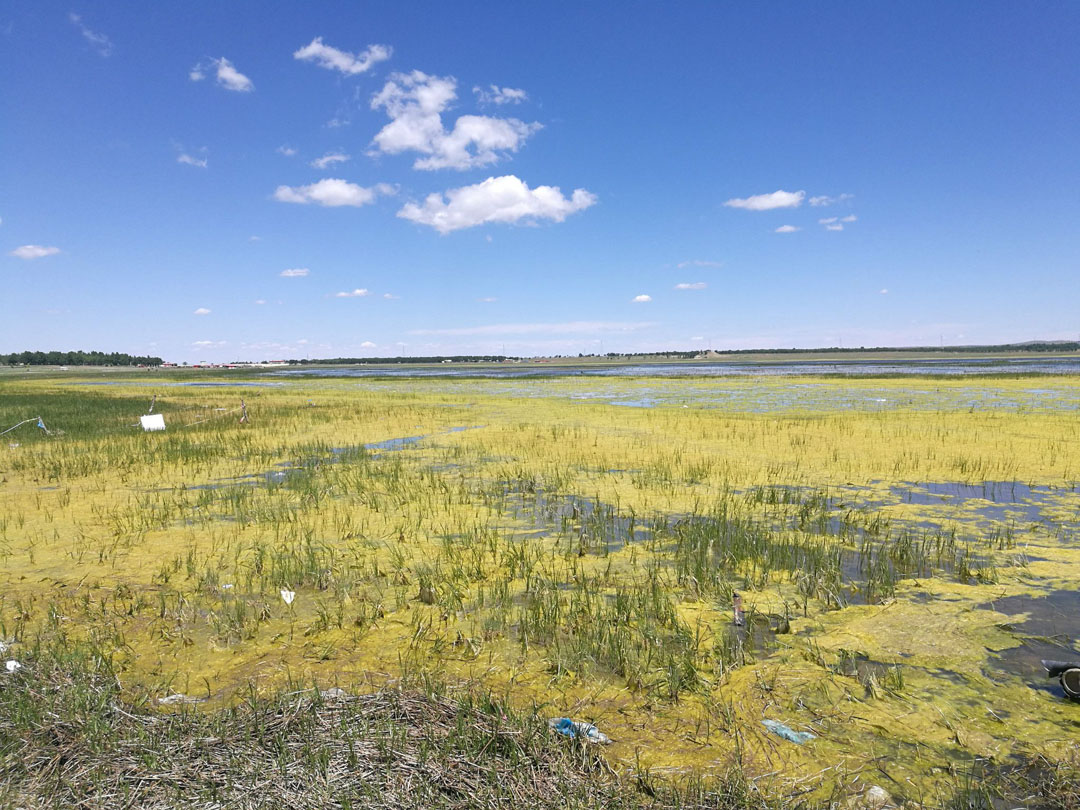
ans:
(357, 361)
(1034, 346)
(77, 359)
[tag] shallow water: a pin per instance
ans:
(945, 367)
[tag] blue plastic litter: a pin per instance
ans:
(578, 728)
(797, 737)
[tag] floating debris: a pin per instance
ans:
(578, 728)
(788, 733)
(740, 617)
(152, 421)
(1067, 673)
(173, 700)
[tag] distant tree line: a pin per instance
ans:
(1033, 346)
(356, 361)
(77, 359)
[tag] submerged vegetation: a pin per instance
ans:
(545, 551)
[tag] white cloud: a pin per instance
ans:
(697, 338)
(348, 63)
(826, 221)
(287, 151)
(490, 299)
(202, 311)
(210, 344)
(767, 202)
(497, 199)
(849, 218)
(329, 159)
(836, 227)
(34, 251)
(415, 103)
(787, 229)
(101, 43)
(331, 192)
(254, 238)
(571, 327)
(367, 344)
(260, 301)
(357, 293)
(641, 299)
(294, 272)
(227, 75)
(884, 291)
(695, 285)
(499, 95)
(824, 199)
(699, 263)
(390, 296)
(184, 157)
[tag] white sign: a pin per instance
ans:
(152, 421)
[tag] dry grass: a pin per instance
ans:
(67, 740)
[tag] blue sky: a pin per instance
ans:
(536, 178)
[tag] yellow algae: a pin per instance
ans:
(543, 541)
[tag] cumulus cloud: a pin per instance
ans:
(34, 251)
(287, 151)
(331, 192)
(367, 344)
(849, 218)
(567, 328)
(390, 296)
(100, 43)
(260, 301)
(202, 311)
(767, 202)
(415, 103)
(699, 263)
(824, 199)
(497, 199)
(227, 75)
(329, 159)
(184, 157)
(294, 272)
(641, 299)
(883, 291)
(694, 285)
(350, 64)
(357, 293)
(499, 95)
(787, 229)
(826, 221)
(834, 227)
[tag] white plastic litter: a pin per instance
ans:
(288, 596)
(13, 666)
(152, 421)
(172, 700)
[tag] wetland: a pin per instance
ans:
(905, 549)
